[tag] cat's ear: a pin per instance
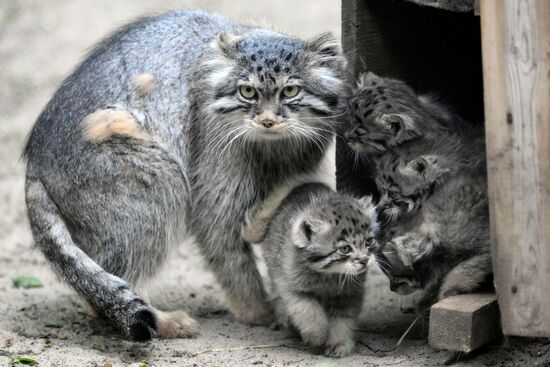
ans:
(409, 249)
(305, 228)
(401, 125)
(427, 167)
(366, 206)
(226, 42)
(368, 79)
(325, 50)
(421, 249)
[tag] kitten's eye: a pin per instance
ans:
(247, 91)
(345, 249)
(393, 195)
(369, 242)
(291, 91)
(360, 131)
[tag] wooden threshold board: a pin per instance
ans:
(464, 323)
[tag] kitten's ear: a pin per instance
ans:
(401, 125)
(225, 42)
(428, 167)
(367, 207)
(304, 229)
(420, 249)
(368, 79)
(325, 49)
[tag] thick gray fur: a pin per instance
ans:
(434, 210)
(317, 283)
(386, 113)
(444, 249)
(407, 175)
(106, 213)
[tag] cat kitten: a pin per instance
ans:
(444, 248)
(316, 248)
(405, 177)
(386, 112)
(171, 128)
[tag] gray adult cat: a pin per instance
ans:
(174, 126)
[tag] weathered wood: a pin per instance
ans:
(433, 50)
(516, 63)
(464, 323)
(452, 5)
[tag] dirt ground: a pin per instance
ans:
(40, 42)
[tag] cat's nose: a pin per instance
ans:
(267, 123)
(350, 135)
(267, 119)
(363, 260)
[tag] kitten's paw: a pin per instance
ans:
(314, 338)
(279, 324)
(142, 325)
(260, 314)
(449, 293)
(340, 350)
(175, 325)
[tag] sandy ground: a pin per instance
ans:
(40, 42)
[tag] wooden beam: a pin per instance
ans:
(516, 69)
(464, 323)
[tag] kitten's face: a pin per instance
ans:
(405, 185)
(373, 136)
(273, 88)
(337, 238)
(381, 115)
(401, 260)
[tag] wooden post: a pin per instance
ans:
(516, 70)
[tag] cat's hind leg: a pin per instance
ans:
(466, 276)
(105, 211)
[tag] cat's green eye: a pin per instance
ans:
(247, 91)
(291, 91)
(345, 249)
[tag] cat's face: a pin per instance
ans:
(382, 111)
(337, 238)
(404, 185)
(402, 259)
(268, 88)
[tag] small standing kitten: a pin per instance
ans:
(316, 249)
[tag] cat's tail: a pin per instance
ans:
(109, 294)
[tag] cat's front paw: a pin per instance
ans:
(260, 314)
(339, 350)
(175, 325)
(313, 337)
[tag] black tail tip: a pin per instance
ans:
(143, 326)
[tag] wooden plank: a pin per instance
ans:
(516, 65)
(464, 323)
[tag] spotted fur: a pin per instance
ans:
(386, 113)
(184, 156)
(316, 249)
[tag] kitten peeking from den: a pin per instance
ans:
(430, 172)
(316, 244)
